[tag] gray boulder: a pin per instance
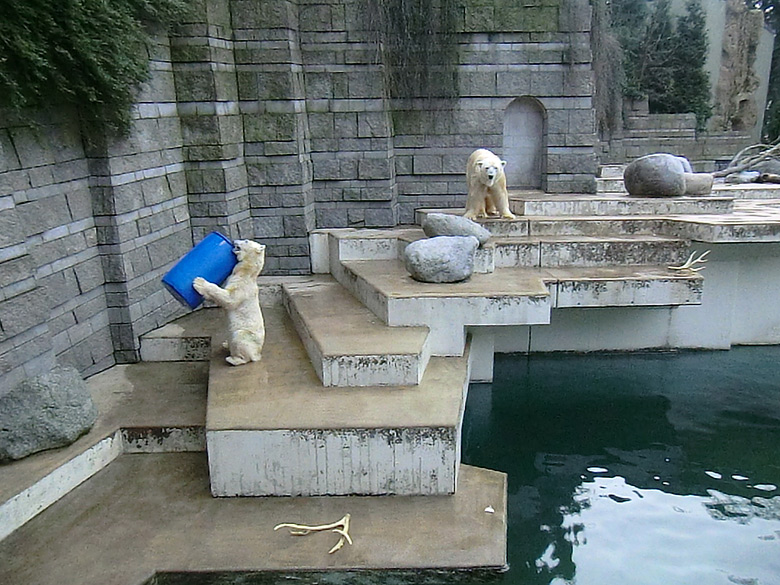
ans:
(442, 258)
(664, 175)
(44, 412)
(446, 224)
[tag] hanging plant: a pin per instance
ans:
(89, 53)
(418, 45)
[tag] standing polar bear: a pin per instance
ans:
(240, 300)
(487, 186)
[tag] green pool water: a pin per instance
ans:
(656, 469)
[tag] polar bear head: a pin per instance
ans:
(489, 169)
(249, 252)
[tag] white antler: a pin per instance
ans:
(341, 528)
(691, 262)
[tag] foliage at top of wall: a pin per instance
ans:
(663, 60)
(418, 45)
(90, 53)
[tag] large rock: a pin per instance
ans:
(664, 175)
(441, 259)
(446, 224)
(44, 412)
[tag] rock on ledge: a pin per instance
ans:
(441, 259)
(44, 412)
(446, 224)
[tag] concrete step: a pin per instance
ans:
(613, 186)
(506, 297)
(578, 250)
(186, 339)
(347, 344)
(611, 171)
(610, 205)
(149, 515)
(142, 408)
(271, 428)
(623, 286)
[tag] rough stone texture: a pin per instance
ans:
(664, 175)
(441, 259)
(263, 120)
(47, 411)
(735, 103)
(447, 224)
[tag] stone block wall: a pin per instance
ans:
(52, 301)
(262, 119)
(88, 225)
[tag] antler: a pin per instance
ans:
(691, 262)
(341, 528)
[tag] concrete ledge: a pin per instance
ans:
(535, 204)
(347, 344)
(505, 297)
(624, 286)
(149, 514)
(141, 408)
(272, 429)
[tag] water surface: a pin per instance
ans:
(641, 469)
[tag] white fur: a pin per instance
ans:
(240, 300)
(487, 186)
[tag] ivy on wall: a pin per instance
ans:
(89, 53)
(418, 45)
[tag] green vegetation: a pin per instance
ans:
(90, 53)
(663, 59)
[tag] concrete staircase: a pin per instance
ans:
(362, 386)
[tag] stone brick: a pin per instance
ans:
(295, 225)
(332, 218)
(268, 227)
(11, 228)
(374, 168)
(269, 126)
(195, 86)
(23, 312)
(89, 274)
(427, 165)
(380, 218)
(43, 214)
(346, 124)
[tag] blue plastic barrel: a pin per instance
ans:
(212, 259)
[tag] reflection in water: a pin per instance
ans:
(642, 468)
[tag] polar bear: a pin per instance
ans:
(487, 186)
(240, 300)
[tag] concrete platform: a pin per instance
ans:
(535, 203)
(582, 250)
(146, 514)
(348, 345)
(506, 297)
(272, 429)
(623, 286)
(142, 407)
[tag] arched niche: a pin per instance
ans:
(525, 138)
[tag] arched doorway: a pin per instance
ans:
(525, 137)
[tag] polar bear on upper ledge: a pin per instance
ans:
(487, 186)
(240, 299)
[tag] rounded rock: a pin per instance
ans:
(446, 224)
(441, 259)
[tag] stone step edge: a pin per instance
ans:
(349, 368)
(18, 509)
(448, 331)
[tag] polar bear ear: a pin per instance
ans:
(480, 163)
(503, 163)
